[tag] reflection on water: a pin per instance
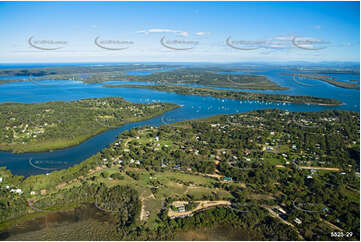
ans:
(83, 223)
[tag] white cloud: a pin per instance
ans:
(317, 27)
(179, 32)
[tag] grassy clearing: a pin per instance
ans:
(284, 148)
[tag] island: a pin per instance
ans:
(238, 95)
(38, 127)
(210, 77)
(262, 175)
(213, 76)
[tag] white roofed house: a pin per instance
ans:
(297, 221)
(18, 191)
(281, 210)
(181, 209)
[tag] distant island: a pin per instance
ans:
(47, 126)
(207, 76)
(239, 95)
(210, 77)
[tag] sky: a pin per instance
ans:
(179, 31)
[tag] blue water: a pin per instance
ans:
(14, 77)
(147, 72)
(194, 107)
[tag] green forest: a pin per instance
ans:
(47, 126)
(286, 176)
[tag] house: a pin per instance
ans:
(181, 209)
(1, 179)
(297, 221)
(281, 210)
(157, 138)
(18, 191)
(226, 178)
(176, 167)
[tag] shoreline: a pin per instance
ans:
(229, 94)
(81, 140)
